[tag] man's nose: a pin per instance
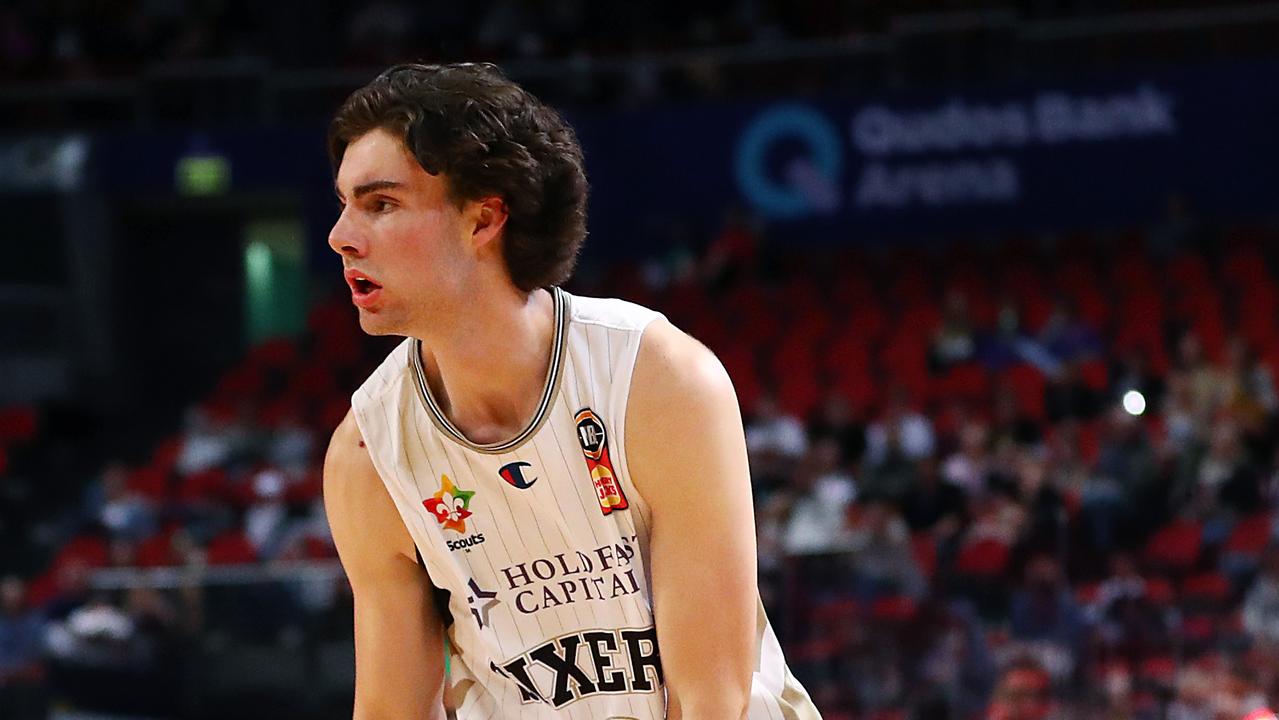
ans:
(344, 238)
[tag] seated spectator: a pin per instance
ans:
(1209, 386)
(1044, 614)
(1185, 421)
(969, 467)
(934, 504)
(21, 653)
(1044, 504)
(1024, 692)
(1067, 337)
(882, 559)
(1067, 396)
(957, 663)
(1250, 387)
(292, 446)
(900, 429)
(955, 341)
(820, 493)
(1261, 604)
(775, 441)
(1009, 424)
(125, 514)
(1127, 619)
(835, 419)
(210, 440)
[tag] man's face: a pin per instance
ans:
(403, 242)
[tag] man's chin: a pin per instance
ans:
(374, 324)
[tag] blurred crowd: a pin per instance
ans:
(76, 39)
(1025, 478)
(1047, 462)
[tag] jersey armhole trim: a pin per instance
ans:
(620, 402)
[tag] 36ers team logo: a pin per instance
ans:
(594, 440)
(451, 506)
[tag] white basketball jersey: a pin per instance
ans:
(542, 540)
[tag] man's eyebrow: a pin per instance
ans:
(372, 186)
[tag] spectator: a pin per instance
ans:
(834, 419)
(958, 662)
(1250, 387)
(125, 514)
(969, 467)
(955, 341)
(1045, 616)
(1024, 692)
(21, 657)
(1129, 621)
(209, 441)
(292, 446)
(1067, 337)
(901, 429)
(820, 495)
(266, 523)
(883, 561)
(773, 436)
(1067, 396)
(1209, 387)
(1010, 425)
(1261, 604)
(934, 504)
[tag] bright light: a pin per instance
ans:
(1134, 402)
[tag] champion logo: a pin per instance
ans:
(513, 474)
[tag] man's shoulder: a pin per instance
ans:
(610, 312)
(393, 369)
(674, 369)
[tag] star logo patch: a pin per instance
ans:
(488, 598)
(451, 506)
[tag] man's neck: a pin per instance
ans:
(488, 372)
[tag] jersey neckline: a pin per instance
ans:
(549, 388)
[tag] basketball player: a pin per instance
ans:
(565, 476)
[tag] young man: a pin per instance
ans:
(566, 476)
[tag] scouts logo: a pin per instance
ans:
(512, 473)
(594, 440)
(451, 506)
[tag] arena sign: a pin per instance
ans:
(1077, 151)
(790, 160)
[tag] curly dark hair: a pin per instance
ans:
(487, 136)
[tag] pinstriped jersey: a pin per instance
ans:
(541, 541)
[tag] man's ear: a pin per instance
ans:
(490, 217)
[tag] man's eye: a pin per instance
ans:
(380, 206)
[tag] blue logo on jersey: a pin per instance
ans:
(513, 475)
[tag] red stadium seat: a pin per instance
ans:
(1176, 546)
(1159, 591)
(966, 381)
(987, 558)
(1251, 535)
(231, 548)
(90, 550)
(924, 549)
(894, 609)
(157, 551)
(18, 424)
(1028, 385)
(1211, 588)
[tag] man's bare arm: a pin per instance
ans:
(399, 654)
(687, 456)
